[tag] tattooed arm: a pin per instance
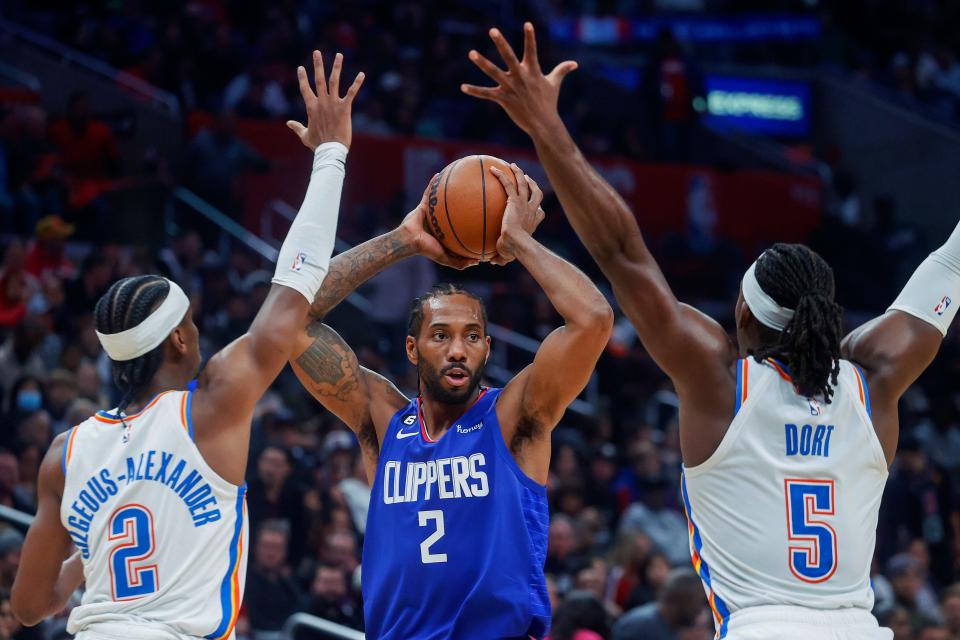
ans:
(354, 267)
(364, 400)
(326, 366)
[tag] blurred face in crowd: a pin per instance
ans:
(565, 463)
(36, 429)
(950, 608)
(561, 539)
(60, 395)
(329, 583)
(933, 633)
(273, 467)
(9, 625)
(30, 457)
(657, 570)
(9, 472)
(271, 550)
(340, 549)
(452, 349)
(899, 623)
(907, 585)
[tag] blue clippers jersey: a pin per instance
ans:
(456, 534)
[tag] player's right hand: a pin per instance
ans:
(328, 115)
(527, 95)
(414, 233)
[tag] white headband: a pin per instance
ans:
(764, 308)
(147, 336)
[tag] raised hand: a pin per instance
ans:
(328, 115)
(523, 213)
(527, 95)
(423, 242)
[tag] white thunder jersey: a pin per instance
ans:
(162, 536)
(785, 511)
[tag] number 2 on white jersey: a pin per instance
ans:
(812, 541)
(130, 579)
(424, 517)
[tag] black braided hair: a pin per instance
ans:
(126, 304)
(415, 322)
(797, 278)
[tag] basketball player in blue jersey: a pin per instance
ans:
(150, 495)
(457, 532)
(786, 439)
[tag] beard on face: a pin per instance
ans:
(433, 383)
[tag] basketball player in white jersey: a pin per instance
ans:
(786, 440)
(147, 499)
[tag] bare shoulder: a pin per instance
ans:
(51, 476)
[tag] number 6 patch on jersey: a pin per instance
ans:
(132, 527)
(812, 541)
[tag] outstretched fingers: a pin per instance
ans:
(335, 75)
(304, 82)
(561, 70)
(355, 87)
(494, 72)
(506, 51)
(484, 93)
(530, 46)
(319, 76)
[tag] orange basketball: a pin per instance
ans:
(466, 204)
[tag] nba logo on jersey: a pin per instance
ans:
(299, 260)
(815, 408)
(942, 305)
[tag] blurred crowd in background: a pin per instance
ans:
(618, 560)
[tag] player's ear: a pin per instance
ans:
(487, 358)
(412, 354)
(178, 340)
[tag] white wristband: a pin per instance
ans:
(305, 255)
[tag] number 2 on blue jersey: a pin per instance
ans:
(131, 527)
(813, 542)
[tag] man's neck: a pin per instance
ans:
(439, 416)
(164, 380)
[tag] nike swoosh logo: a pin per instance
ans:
(401, 435)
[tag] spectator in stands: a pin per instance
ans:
(563, 554)
(19, 353)
(898, 620)
(679, 606)
(87, 145)
(931, 630)
(950, 610)
(16, 285)
(61, 391)
(11, 542)
(580, 617)
(271, 595)
(47, 255)
(11, 494)
(273, 495)
(330, 599)
(214, 162)
(340, 549)
(82, 293)
(906, 578)
(919, 502)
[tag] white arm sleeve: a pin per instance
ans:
(305, 254)
(933, 291)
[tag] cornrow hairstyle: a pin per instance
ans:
(797, 278)
(126, 304)
(415, 322)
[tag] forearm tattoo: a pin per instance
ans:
(354, 267)
(330, 364)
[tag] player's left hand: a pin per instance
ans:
(415, 234)
(523, 213)
(328, 115)
(527, 95)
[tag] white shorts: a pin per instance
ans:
(115, 630)
(801, 623)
